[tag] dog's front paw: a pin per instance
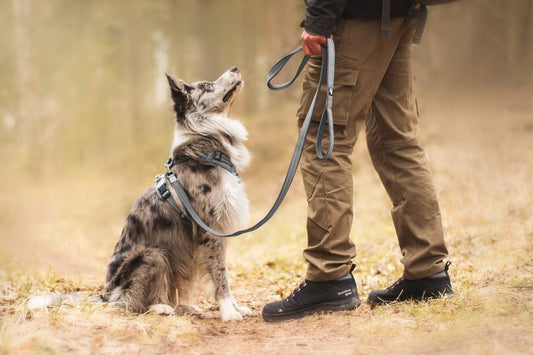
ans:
(161, 309)
(241, 309)
(230, 314)
(228, 310)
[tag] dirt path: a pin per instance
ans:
(483, 165)
(392, 330)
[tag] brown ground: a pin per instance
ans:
(480, 148)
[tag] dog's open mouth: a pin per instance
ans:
(230, 93)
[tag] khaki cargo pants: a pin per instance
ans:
(374, 85)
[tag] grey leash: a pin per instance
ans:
(328, 65)
(328, 62)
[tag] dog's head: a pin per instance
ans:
(202, 99)
(202, 108)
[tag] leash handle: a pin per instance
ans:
(328, 62)
(276, 69)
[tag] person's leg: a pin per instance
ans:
(392, 129)
(329, 284)
(329, 188)
(361, 60)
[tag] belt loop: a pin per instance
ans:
(385, 19)
(421, 17)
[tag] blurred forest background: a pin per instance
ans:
(86, 123)
(82, 82)
(85, 115)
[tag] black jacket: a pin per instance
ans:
(321, 15)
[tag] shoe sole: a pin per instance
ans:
(377, 301)
(342, 305)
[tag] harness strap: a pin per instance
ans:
(163, 192)
(214, 157)
(328, 65)
(220, 159)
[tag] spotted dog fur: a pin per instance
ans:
(160, 253)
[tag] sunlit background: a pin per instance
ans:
(86, 120)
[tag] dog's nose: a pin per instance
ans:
(234, 70)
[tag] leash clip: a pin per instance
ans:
(171, 177)
(163, 192)
(161, 187)
(169, 163)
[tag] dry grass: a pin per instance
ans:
(480, 150)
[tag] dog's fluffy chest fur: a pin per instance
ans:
(235, 202)
(209, 185)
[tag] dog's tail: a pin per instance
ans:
(58, 299)
(144, 278)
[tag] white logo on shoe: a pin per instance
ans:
(347, 292)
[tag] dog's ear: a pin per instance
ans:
(179, 91)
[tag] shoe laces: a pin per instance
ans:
(391, 287)
(297, 289)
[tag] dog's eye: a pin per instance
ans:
(206, 87)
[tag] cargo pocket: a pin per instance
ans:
(343, 91)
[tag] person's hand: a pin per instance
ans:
(312, 43)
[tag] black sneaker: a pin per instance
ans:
(312, 297)
(435, 286)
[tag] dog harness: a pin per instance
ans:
(161, 186)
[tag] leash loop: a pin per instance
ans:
(328, 66)
(328, 112)
(276, 69)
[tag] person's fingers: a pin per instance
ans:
(309, 51)
(317, 49)
(311, 48)
(312, 44)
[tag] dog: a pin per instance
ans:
(161, 255)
